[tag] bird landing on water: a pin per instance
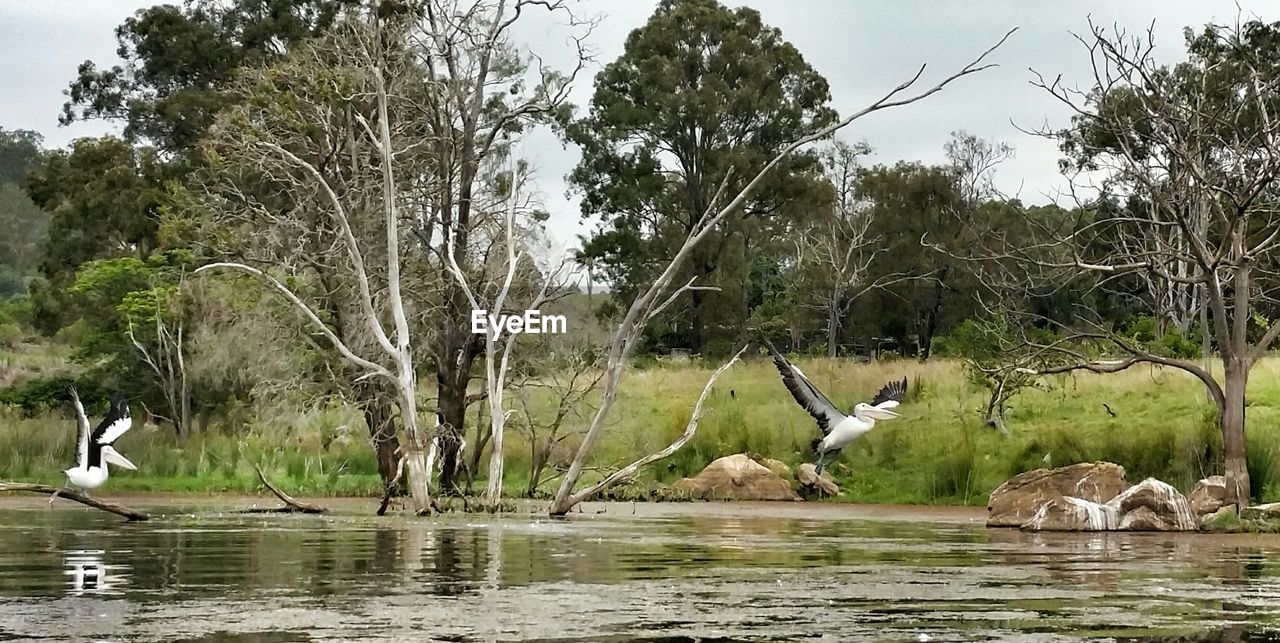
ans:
(838, 429)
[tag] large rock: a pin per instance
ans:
(1016, 501)
(1208, 495)
(1267, 512)
(1066, 513)
(737, 477)
(1152, 505)
(814, 485)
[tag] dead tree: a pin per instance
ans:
(166, 359)
(659, 295)
(370, 139)
(499, 342)
(480, 93)
(567, 378)
(836, 251)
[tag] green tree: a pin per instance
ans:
(701, 98)
(24, 223)
(179, 62)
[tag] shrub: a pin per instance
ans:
(44, 394)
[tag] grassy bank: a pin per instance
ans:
(938, 452)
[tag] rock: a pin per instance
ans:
(1208, 495)
(1016, 501)
(813, 485)
(1166, 508)
(779, 467)
(1222, 512)
(737, 477)
(1066, 513)
(1264, 512)
(1145, 519)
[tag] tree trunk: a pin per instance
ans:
(453, 411)
(1233, 432)
(833, 327)
(415, 463)
(379, 415)
(744, 324)
(184, 411)
(537, 462)
(931, 318)
(697, 339)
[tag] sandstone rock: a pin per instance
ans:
(779, 467)
(1165, 508)
(1145, 519)
(1268, 511)
(737, 477)
(813, 485)
(1066, 513)
(1208, 495)
(1016, 501)
(1222, 512)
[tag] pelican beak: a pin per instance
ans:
(111, 455)
(880, 414)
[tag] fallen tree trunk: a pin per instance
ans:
(60, 492)
(291, 504)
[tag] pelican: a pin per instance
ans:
(838, 429)
(95, 449)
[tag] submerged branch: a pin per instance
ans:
(291, 504)
(59, 492)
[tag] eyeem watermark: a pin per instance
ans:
(532, 322)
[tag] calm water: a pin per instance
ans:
(688, 572)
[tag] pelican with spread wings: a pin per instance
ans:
(838, 429)
(96, 448)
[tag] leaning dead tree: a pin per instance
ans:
(290, 504)
(1194, 150)
(660, 294)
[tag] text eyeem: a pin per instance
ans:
(532, 322)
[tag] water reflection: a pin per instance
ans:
(621, 578)
(90, 575)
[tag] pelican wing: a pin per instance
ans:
(82, 431)
(805, 393)
(890, 395)
(115, 424)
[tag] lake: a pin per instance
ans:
(617, 572)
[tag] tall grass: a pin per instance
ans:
(321, 451)
(939, 451)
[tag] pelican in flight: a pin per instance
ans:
(95, 449)
(838, 429)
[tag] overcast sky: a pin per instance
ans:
(863, 49)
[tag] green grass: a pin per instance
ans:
(939, 452)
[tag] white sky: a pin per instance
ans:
(863, 49)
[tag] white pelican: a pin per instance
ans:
(838, 429)
(94, 449)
